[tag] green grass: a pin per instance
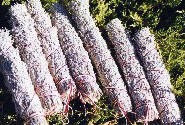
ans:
(165, 19)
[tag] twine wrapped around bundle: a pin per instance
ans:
(17, 80)
(31, 53)
(158, 77)
(52, 50)
(138, 85)
(77, 57)
(96, 46)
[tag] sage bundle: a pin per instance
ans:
(138, 85)
(31, 53)
(158, 77)
(105, 65)
(52, 50)
(77, 57)
(18, 82)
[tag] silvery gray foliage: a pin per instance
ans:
(52, 50)
(158, 77)
(77, 57)
(31, 53)
(138, 85)
(96, 46)
(17, 80)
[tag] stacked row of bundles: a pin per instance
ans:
(51, 63)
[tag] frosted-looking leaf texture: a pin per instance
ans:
(77, 57)
(48, 37)
(96, 46)
(157, 76)
(31, 53)
(18, 82)
(138, 85)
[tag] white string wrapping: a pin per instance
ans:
(18, 82)
(96, 46)
(52, 50)
(31, 53)
(77, 57)
(158, 77)
(138, 85)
